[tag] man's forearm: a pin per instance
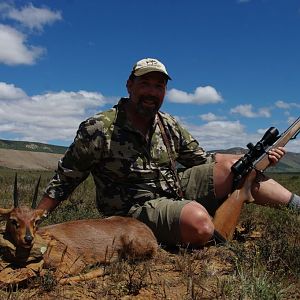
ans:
(48, 204)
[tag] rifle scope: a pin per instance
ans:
(245, 163)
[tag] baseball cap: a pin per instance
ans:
(148, 65)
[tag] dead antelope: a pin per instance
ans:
(74, 245)
(22, 221)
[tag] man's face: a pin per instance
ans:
(147, 93)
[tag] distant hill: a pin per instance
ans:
(32, 155)
(290, 162)
(31, 146)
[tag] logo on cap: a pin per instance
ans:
(148, 65)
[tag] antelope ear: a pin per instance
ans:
(40, 215)
(5, 212)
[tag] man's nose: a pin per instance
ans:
(152, 90)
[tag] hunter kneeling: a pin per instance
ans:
(132, 151)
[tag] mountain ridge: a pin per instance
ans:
(32, 146)
(41, 156)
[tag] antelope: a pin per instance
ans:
(74, 245)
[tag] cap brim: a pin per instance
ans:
(143, 71)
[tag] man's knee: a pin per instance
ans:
(196, 226)
(222, 174)
(224, 163)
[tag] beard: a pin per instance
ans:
(149, 110)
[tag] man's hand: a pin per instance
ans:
(48, 204)
(276, 154)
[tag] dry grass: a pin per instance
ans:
(263, 262)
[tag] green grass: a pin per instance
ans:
(263, 267)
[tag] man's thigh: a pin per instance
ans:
(198, 184)
(162, 216)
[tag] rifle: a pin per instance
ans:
(227, 215)
(257, 156)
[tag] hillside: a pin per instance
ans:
(39, 156)
(31, 146)
(29, 155)
(28, 160)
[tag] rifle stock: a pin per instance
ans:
(227, 215)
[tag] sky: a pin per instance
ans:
(234, 65)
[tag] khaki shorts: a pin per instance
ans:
(162, 214)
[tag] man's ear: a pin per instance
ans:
(129, 85)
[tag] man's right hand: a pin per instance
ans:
(48, 204)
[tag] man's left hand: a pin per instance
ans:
(276, 154)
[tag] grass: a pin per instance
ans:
(262, 262)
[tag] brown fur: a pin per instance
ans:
(74, 245)
(96, 241)
(20, 220)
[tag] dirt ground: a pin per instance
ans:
(212, 272)
(185, 275)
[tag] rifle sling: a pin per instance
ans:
(166, 140)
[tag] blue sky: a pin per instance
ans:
(234, 64)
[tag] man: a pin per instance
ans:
(131, 151)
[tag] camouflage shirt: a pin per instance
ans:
(127, 168)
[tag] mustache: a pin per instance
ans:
(152, 98)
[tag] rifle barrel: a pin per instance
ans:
(263, 162)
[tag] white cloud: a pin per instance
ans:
(264, 112)
(10, 92)
(202, 95)
(282, 104)
(216, 135)
(210, 117)
(46, 117)
(16, 51)
(285, 105)
(246, 110)
(291, 120)
(219, 134)
(33, 17)
(55, 116)
(4, 7)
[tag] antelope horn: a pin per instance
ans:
(33, 205)
(16, 196)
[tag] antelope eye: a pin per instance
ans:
(36, 222)
(15, 223)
